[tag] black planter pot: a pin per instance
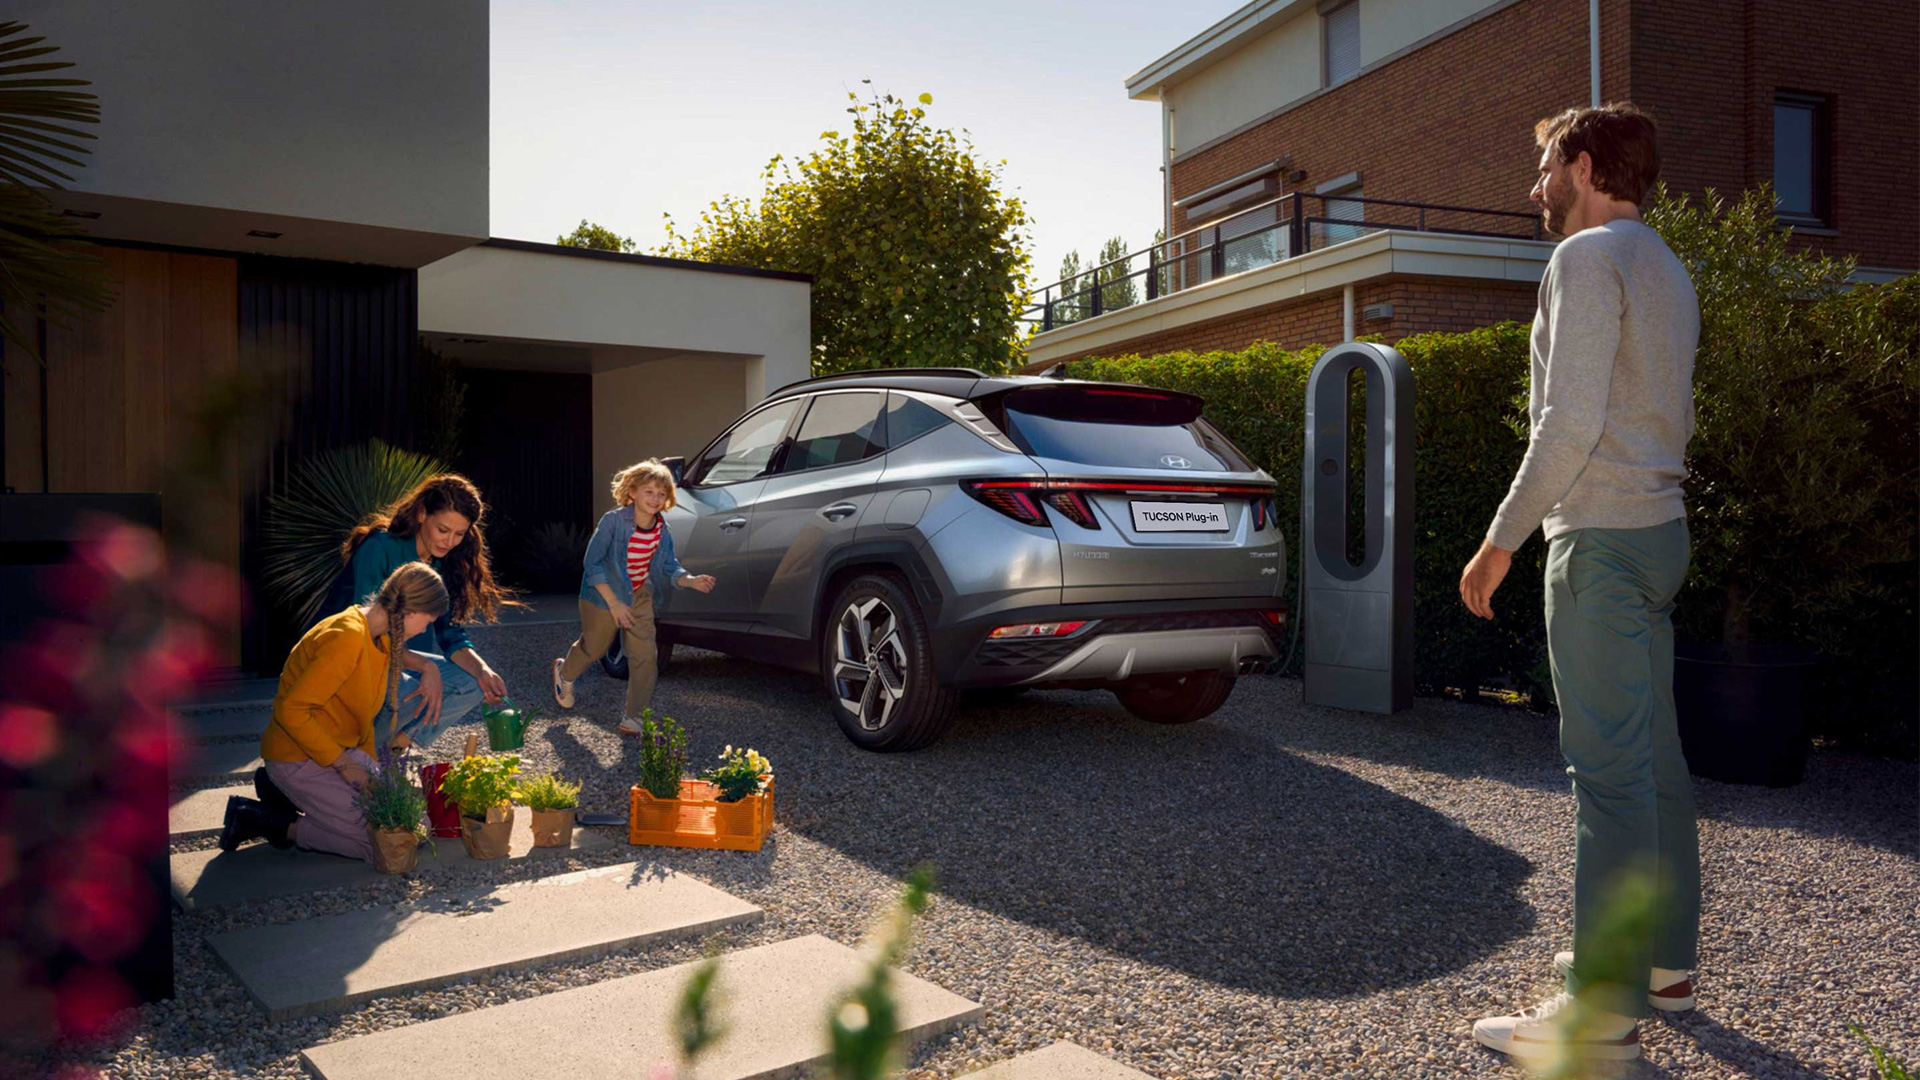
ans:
(1745, 721)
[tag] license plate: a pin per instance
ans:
(1179, 517)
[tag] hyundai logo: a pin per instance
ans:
(1175, 461)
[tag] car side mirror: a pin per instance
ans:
(678, 467)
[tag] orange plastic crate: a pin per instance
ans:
(697, 820)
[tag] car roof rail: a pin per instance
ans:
(882, 373)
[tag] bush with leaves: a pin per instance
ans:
(663, 755)
(918, 256)
(597, 238)
(392, 801)
(325, 497)
(548, 792)
(481, 782)
(739, 774)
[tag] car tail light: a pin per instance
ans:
(1259, 514)
(1074, 507)
(1016, 502)
(1276, 617)
(1036, 630)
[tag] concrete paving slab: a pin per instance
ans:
(201, 813)
(773, 1000)
(1060, 1061)
(223, 721)
(335, 962)
(204, 879)
(217, 760)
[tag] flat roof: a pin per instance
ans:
(643, 260)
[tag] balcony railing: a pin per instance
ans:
(1261, 235)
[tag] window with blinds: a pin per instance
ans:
(1340, 42)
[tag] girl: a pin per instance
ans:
(437, 523)
(320, 746)
(629, 557)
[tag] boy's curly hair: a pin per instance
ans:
(650, 471)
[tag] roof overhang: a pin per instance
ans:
(1211, 44)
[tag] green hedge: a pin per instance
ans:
(1802, 502)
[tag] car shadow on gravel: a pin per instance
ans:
(1199, 848)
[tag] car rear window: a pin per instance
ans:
(1120, 429)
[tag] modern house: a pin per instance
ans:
(301, 192)
(1347, 167)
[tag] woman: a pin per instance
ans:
(628, 559)
(437, 523)
(320, 745)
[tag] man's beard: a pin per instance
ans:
(1558, 205)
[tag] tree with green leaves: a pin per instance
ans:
(44, 266)
(918, 255)
(597, 237)
(1117, 290)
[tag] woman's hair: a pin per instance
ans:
(650, 471)
(469, 575)
(414, 588)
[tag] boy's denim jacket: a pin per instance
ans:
(606, 561)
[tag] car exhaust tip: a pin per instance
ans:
(1253, 665)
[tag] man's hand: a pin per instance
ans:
(429, 692)
(622, 614)
(1482, 576)
(492, 686)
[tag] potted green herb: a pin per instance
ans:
(393, 806)
(484, 787)
(663, 755)
(740, 773)
(552, 801)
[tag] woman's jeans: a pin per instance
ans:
(1636, 877)
(460, 696)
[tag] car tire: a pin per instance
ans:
(1175, 699)
(876, 659)
(614, 663)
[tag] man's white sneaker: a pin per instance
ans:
(562, 689)
(1557, 1026)
(1673, 997)
(629, 726)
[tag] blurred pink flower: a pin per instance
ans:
(91, 1002)
(28, 736)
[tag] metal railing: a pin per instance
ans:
(1260, 235)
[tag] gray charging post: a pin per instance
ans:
(1359, 618)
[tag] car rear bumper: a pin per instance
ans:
(1120, 640)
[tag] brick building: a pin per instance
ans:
(1413, 119)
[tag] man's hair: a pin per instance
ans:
(1621, 140)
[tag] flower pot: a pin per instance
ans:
(553, 828)
(1745, 721)
(506, 728)
(443, 815)
(488, 838)
(395, 851)
(697, 820)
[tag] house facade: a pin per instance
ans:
(1413, 119)
(292, 202)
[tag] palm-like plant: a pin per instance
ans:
(43, 265)
(325, 497)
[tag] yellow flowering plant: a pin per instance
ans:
(740, 773)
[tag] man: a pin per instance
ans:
(1611, 407)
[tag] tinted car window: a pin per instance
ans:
(908, 419)
(839, 429)
(1119, 432)
(744, 452)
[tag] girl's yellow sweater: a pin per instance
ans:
(331, 689)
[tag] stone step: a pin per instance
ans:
(1060, 1061)
(201, 813)
(773, 1000)
(233, 759)
(335, 962)
(217, 722)
(257, 871)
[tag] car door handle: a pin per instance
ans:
(839, 511)
(734, 523)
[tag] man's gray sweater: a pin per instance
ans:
(1611, 403)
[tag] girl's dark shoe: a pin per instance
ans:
(249, 820)
(271, 796)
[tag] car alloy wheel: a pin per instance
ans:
(870, 662)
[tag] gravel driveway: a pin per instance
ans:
(1277, 891)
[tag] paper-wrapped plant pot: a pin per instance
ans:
(488, 838)
(552, 828)
(395, 851)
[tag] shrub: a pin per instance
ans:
(392, 801)
(739, 774)
(481, 782)
(663, 755)
(548, 792)
(551, 555)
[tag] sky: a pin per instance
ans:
(620, 112)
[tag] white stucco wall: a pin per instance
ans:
(365, 112)
(1387, 26)
(664, 408)
(1274, 68)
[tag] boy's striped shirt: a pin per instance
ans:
(640, 551)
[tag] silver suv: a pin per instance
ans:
(910, 534)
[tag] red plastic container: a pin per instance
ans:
(443, 817)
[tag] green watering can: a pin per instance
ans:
(506, 726)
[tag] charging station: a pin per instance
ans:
(1359, 616)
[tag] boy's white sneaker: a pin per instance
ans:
(1674, 996)
(629, 726)
(1554, 1027)
(562, 689)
